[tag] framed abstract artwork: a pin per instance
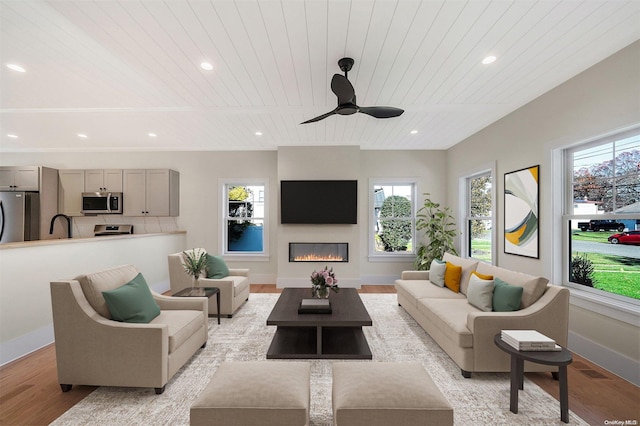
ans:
(521, 212)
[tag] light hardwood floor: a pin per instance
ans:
(30, 394)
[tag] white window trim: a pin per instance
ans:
(463, 208)
(250, 256)
(596, 301)
(390, 257)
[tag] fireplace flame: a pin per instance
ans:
(317, 258)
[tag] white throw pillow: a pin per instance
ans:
(480, 293)
(436, 272)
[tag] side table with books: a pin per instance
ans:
(534, 347)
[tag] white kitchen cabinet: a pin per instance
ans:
(151, 192)
(19, 178)
(99, 180)
(71, 187)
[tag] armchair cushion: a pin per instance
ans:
(216, 267)
(95, 283)
(132, 302)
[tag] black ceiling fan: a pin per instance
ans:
(343, 89)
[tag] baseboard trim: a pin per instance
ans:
(610, 360)
(379, 279)
(23, 345)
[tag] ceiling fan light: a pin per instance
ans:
(489, 60)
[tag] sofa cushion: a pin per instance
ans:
(95, 283)
(132, 302)
(437, 271)
(468, 266)
(450, 317)
(534, 287)
(452, 276)
(181, 325)
(506, 298)
(420, 289)
(216, 267)
(480, 292)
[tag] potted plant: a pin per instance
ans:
(195, 261)
(439, 229)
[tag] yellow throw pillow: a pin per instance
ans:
(452, 277)
(482, 276)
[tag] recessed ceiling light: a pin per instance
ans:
(489, 60)
(258, 133)
(10, 135)
(413, 132)
(82, 135)
(206, 66)
(15, 67)
(152, 135)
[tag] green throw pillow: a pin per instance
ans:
(506, 297)
(133, 302)
(216, 267)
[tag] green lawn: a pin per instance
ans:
(616, 274)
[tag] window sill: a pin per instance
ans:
(249, 257)
(617, 309)
(392, 258)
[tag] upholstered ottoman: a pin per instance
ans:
(387, 393)
(265, 393)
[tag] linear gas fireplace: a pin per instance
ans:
(318, 252)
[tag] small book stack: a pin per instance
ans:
(529, 340)
(314, 306)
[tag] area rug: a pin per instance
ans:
(394, 336)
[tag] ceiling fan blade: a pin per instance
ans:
(381, 111)
(343, 89)
(320, 117)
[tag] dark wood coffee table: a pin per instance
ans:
(319, 336)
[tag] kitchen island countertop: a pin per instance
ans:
(26, 244)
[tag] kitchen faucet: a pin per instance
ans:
(53, 219)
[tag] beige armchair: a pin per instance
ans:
(234, 289)
(93, 349)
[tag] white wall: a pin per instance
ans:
(603, 99)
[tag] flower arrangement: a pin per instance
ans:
(195, 261)
(323, 281)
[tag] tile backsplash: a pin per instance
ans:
(83, 225)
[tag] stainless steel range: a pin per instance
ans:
(105, 230)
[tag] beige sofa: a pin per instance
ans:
(93, 349)
(466, 332)
(234, 288)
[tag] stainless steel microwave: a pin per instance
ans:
(102, 202)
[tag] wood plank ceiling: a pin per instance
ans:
(119, 70)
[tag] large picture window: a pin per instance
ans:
(392, 230)
(602, 212)
(244, 218)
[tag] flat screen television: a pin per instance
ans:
(319, 201)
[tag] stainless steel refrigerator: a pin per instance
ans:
(19, 216)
